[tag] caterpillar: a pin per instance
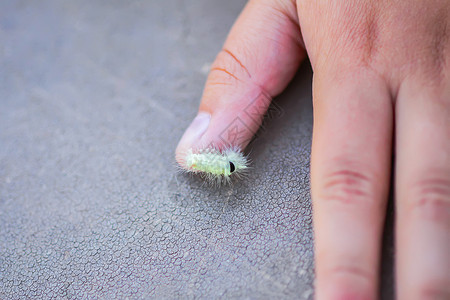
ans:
(215, 165)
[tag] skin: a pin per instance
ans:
(381, 86)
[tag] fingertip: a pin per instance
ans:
(192, 136)
(229, 123)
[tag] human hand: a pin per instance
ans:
(381, 82)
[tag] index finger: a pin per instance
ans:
(259, 58)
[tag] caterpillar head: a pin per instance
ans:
(237, 162)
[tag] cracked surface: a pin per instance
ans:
(94, 96)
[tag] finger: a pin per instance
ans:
(423, 191)
(350, 171)
(259, 58)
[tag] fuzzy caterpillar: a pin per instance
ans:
(216, 165)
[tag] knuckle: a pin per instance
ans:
(353, 271)
(229, 62)
(440, 41)
(434, 291)
(365, 40)
(357, 34)
(430, 198)
(348, 186)
(427, 59)
(354, 281)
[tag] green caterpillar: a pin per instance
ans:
(216, 166)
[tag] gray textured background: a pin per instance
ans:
(94, 96)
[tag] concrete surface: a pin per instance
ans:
(94, 96)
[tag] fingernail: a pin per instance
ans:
(195, 131)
